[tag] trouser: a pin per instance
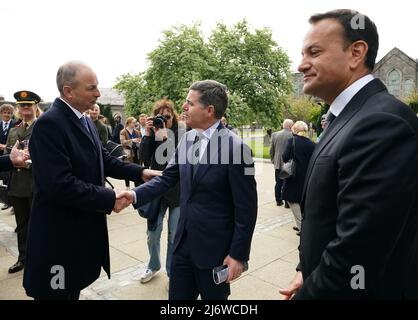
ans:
(278, 187)
(5, 176)
(295, 207)
(187, 281)
(155, 236)
(22, 208)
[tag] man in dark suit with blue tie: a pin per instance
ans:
(359, 237)
(67, 241)
(6, 123)
(218, 200)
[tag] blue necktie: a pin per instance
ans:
(84, 122)
(5, 127)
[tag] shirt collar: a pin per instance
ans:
(77, 113)
(344, 97)
(29, 122)
(209, 131)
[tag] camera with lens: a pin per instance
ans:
(159, 120)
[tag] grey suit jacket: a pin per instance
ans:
(278, 144)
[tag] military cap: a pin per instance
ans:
(26, 96)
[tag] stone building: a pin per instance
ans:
(397, 70)
(115, 100)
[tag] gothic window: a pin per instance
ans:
(394, 82)
(409, 87)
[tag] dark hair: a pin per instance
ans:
(356, 27)
(163, 104)
(212, 93)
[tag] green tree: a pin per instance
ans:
(304, 109)
(254, 68)
(138, 96)
(181, 59)
(251, 64)
(412, 101)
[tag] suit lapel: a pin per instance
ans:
(73, 118)
(92, 136)
(355, 104)
(212, 158)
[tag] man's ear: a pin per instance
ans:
(67, 91)
(359, 51)
(211, 110)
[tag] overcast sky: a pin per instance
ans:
(114, 36)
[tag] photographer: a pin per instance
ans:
(157, 146)
(130, 139)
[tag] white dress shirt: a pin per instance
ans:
(338, 105)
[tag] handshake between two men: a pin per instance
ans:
(126, 198)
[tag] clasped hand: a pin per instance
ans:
(126, 198)
(123, 200)
(18, 157)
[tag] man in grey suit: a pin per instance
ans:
(278, 144)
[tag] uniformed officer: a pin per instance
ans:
(21, 181)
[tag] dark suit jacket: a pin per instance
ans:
(218, 207)
(293, 187)
(68, 219)
(3, 135)
(360, 203)
(5, 163)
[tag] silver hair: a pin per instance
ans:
(299, 126)
(287, 123)
(67, 72)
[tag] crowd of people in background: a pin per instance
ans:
(352, 192)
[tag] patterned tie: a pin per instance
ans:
(196, 152)
(330, 117)
(84, 122)
(5, 127)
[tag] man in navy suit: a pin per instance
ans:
(359, 237)
(67, 241)
(218, 200)
(6, 123)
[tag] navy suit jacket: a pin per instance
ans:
(218, 206)
(5, 163)
(3, 135)
(360, 203)
(68, 225)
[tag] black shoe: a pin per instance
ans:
(296, 228)
(286, 205)
(298, 233)
(16, 267)
(279, 203)
(5, 207)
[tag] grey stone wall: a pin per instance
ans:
(398, 72)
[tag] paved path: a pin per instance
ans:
(272, 261)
